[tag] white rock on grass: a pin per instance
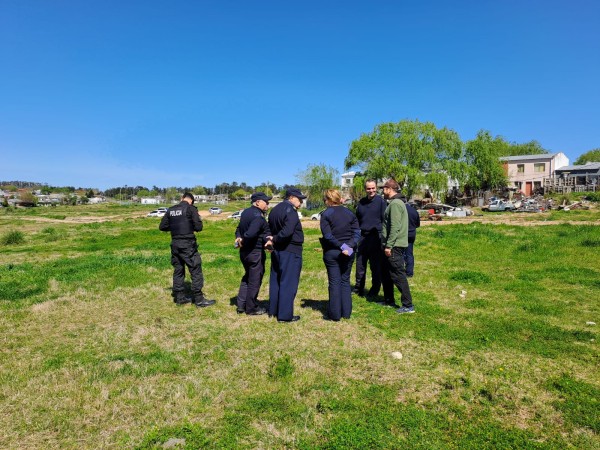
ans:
(174, 443)
(590, 323)
(397, 355)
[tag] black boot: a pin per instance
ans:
(180, 299)
(201, 302)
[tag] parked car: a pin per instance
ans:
(500, 205)
(235, 215)
(215, 210)
(317, 216)
(156, 213)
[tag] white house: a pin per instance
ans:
(346, 182)
(149, 201)
(96, 199)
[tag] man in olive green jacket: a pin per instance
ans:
(395, 241)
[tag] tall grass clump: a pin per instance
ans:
(593, 196)
(52, 234)
(14, 237)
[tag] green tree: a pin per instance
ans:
(528, 148)
(588, 157)
(90, 193)
(358, 187)
(172, 195)
(484, 169)
(316, 179)
(267, 188)
(143, 193)
(414, 153)
(199, 190)
(28, 198)
(240, 194)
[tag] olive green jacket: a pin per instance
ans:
(395, 224)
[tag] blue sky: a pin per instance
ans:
(180, 93)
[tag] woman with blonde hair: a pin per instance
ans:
(340, 236)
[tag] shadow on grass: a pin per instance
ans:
(261, 303)
(316, 305)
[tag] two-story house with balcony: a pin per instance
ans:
(527, 172)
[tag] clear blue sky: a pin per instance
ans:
(179, 93)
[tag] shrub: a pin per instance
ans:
(593, 196)
(564, 199)
(13, 238)
(52, 234)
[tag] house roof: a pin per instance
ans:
(529, 157)
(592, 167)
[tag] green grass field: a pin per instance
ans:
(94, 354)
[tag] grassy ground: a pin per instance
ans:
(94, 354)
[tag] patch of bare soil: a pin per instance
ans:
(512, 219)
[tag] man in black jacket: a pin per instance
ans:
(369, 213)
(286, 258)
(182, 220)
(251, 237)
(414, 222)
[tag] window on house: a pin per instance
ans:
(539, 167)
(520, 168)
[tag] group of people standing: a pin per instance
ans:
(380, 235)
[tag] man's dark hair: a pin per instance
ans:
(370, 180)
(189, 195)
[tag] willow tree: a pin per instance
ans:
(316, 179)
(414, 153)
(482, 155)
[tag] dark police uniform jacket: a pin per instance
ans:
(286, 228)
(339, 226)
(253, 229)
(182, 221)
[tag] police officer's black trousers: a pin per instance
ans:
(339, 268)
(254, 266)
(184, 252)
(394, 274)
(409, 258)
(369, 250)
(283, 283)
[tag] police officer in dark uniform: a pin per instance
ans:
(251, 237)
(182, 221)
(286, 258)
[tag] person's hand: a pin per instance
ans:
(388, 252)
(269, 244)
(346, 252)
(238, 242)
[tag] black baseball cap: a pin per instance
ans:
(260, 196)
(295, 192)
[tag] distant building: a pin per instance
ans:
(346, 183)
(96, 199)
(149, 201)
(585, 177)
(527, 172)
